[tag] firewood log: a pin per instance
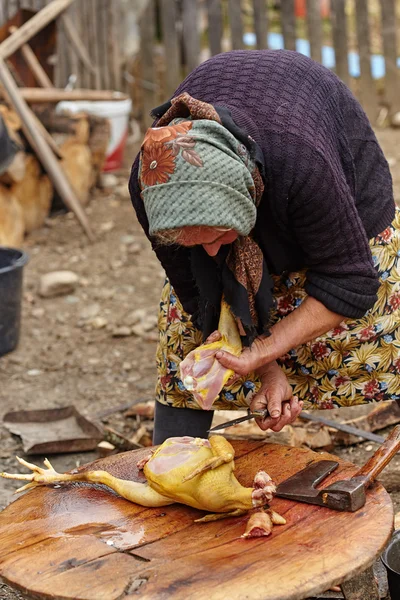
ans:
(99, 137)
(10, 118)
(75, 125)
(16, 170)
(34, 194)
(77, 165)
(11, 219)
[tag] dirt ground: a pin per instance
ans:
(62, 359)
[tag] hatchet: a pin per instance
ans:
(346, 494)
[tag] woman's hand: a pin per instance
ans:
(276, 395)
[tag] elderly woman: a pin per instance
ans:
(262, 181)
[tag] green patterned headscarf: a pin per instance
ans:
(196, 173)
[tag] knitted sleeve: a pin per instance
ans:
(323, 217)
(174, 259)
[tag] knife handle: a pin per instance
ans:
(258, 414)
(381, 457)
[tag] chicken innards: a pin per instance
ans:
(191, 471)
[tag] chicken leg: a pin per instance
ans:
(201, 372)
(140, 493)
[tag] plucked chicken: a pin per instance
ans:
(201, 373)
(191, 471)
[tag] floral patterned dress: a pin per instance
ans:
(355, 363)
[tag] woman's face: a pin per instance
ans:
(211, 238)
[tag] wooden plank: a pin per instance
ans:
(367, 89)
(114, 36)
(389, 39)
(33, 26)
(191, 34)
(147, 35)
(340, 39)
(169, 19)
(314, 28)
(214, 15)
(288, 23)
(236, 24)
(76, 42)
(102, 25)
(93, 39)
(72, 58)
(260, 23)
(38, 95)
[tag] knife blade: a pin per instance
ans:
(255, 414)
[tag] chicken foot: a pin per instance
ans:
(140, 493)
(223, 453)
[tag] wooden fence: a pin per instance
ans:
(88, 42)
(176, 35)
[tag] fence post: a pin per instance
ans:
(339, 35)
(392, 81)
(169, 18)
(214, 15)
(191, 35)
(260, 23)
(236, 25)
(368, 95)
(147, 35)
(288, 22)
(314, 27)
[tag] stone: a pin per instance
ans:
(108, 181)
(98, 323)
(127, 239)
(38, 312)
(34, 372)
(123, 191)
(71, 299)
(122, 332)
(126, 366)
(136, 316)
(90, 312)
(57, 283)
(134, 248)
(107, 226)
(150, 322)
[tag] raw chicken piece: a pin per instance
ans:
(191, 471)
(201, 373)
(261, 523)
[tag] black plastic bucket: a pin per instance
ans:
(391, 560)
(12, 262)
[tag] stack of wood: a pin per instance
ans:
(59, 155)
(26, 192)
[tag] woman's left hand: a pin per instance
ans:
(276, 395)
(250, 359)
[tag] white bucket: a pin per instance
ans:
(117, 112)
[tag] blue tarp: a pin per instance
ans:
(275, 42)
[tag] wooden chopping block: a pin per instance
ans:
(12, 227)
(93, 544)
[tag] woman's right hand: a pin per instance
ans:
(276, 395)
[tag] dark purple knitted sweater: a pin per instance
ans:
(328, 186)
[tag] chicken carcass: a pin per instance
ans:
(191, 471)
(201, 373)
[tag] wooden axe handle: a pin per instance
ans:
(381, 457)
